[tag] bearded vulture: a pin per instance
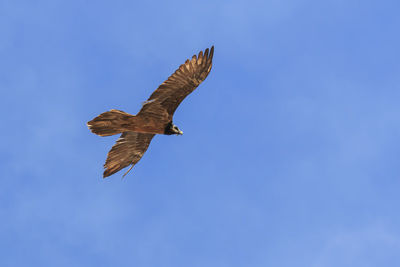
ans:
(155, 117)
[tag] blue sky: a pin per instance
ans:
(291, 149)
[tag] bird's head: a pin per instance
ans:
(176, 130)
(172, 129)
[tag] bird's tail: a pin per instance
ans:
(111, 122)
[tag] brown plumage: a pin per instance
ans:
(155, 117)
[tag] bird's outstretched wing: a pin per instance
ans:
(180, 84)
(128, 150)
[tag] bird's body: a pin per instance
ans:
(155, 116)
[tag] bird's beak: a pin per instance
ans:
(180, 132)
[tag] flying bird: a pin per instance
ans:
(155, 116)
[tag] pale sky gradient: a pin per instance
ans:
(291, 149)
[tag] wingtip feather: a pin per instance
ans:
(206, 52)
